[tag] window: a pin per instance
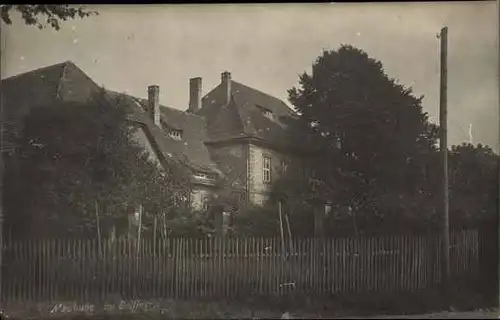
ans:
(266, 178)
(266, 112)
(313, 124)
(328, 208)
(206, 203)
(175, 134)
(203, 176)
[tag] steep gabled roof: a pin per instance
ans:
(244, 117)
(42, 87)
(227, 124)
(66, 82)
(190, 150)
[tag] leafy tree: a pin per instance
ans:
(33, 15)
(375, 142)
(75, 162)
(473, 185)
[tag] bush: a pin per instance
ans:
(256, 221)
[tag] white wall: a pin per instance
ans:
(259, 190)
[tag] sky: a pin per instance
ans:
(266, 46)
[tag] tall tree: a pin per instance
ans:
(42, 15)
(375, 141)
(473, 185)
(77, 161)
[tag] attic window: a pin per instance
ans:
(266, 112)
(175, 134)
(204, 176)
(313, 124)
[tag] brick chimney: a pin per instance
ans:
(194, 95)
(154, 103)
(226, 84)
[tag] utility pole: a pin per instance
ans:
(2, 173)
(443, 126)
(280, 215)
(498, 148)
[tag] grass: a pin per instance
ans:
(462, 297)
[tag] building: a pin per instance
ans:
(248, 137)
(234, 140)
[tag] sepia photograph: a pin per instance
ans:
(250, 161)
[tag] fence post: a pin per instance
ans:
(219, 221)
(319, 217)
(358, 264)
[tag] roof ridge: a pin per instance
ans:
(182, 111)
(161, 105)
(261, 92)
(65, 63)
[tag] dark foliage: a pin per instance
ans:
(78, 163)
(42, 15)
(378, 164)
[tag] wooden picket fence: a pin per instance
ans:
(37, 270)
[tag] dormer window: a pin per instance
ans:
(313, 124)
(175, 134)
(201, 175)
(204, 176)
(266, 112)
